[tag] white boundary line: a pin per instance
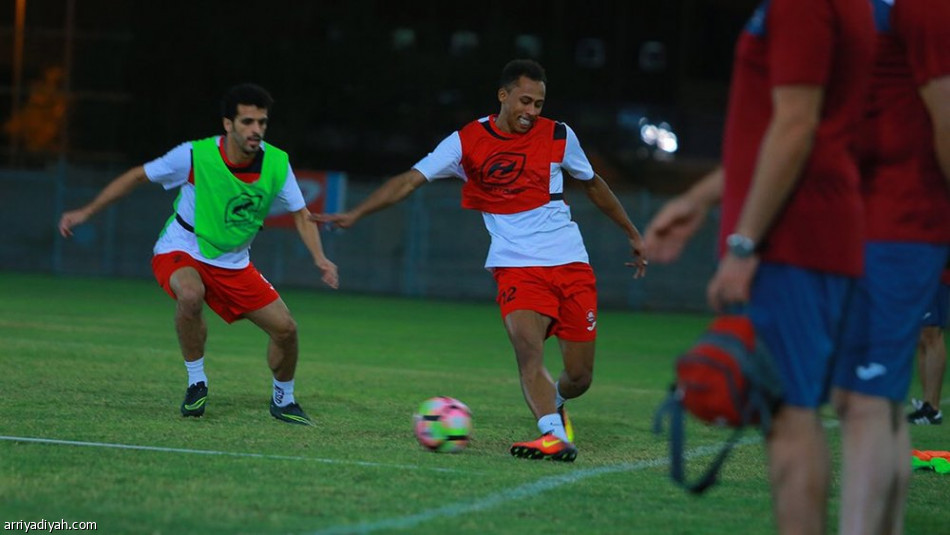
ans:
(492, 500)
(523, 491)
(458, 508)
(35, 440)
(532, 489)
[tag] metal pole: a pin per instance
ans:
(61, 190)
(67, 76)
(17, 70)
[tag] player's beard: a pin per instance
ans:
(251, 145)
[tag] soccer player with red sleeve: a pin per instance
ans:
(792, 229)
(926, 30)
(932, 357)
(514, 165)
(907, 200)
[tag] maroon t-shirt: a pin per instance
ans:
(826, 43)
(906, 195)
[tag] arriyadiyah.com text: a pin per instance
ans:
(48, 526)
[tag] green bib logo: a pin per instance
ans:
(241, 210)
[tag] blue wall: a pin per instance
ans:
(426, 246)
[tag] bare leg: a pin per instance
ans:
(799, 471)
(931, 363)
(527, 330)
(578, 368)
(872, 481)
(282, 348)
(902, 479)
(189, 321)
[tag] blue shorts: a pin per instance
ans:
(797, 314)
(937, 314)
(884, 318)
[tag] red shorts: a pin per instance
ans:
(231, 293)
(567, 294)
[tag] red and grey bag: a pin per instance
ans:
(726, 378)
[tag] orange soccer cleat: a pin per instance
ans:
(547, 447)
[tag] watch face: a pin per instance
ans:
(740, 246)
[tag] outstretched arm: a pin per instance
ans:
(936, 96)
(681, 217)
(603, 198)
(392, 191)
(118, 188)
(311, 238)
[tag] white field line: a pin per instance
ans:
(452, 510)
(533, 489)
(523, 491)
(54, 441)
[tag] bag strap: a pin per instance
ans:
(757, 405)
(674, 409)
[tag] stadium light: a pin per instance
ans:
(659, 136)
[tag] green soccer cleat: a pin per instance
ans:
(290, 413)
(195, 398)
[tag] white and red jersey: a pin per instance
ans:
(521, 204)
(174, 170)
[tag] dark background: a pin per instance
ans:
(353, 92)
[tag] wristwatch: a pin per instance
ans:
(740, 246)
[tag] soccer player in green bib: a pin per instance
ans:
(227, 186)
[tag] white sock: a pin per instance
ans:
(551, 423)
(558, 398)
(283, 392)
(196, 372)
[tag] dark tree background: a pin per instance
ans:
(369, 86)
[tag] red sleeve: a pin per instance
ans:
(924, 26)
(801, 39)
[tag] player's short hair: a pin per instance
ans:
(247, 94)
(517, 68)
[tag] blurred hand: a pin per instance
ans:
(71, 219)
(672, 228)
(342, 219)
(732, 282)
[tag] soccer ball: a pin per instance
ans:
(443, 424)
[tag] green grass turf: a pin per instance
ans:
(97, 361)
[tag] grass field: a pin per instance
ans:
(92, 379)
